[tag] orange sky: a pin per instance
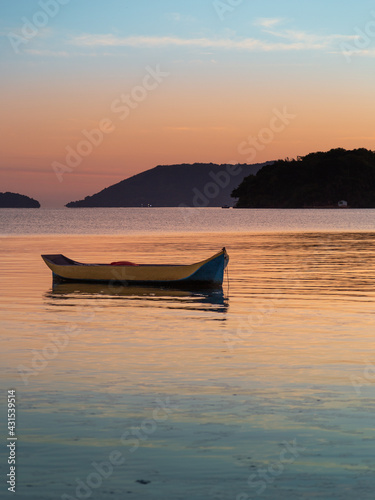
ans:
(209, 96)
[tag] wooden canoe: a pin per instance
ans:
(208, 272)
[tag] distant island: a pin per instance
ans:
(332, 179)
(191, 185)
(15, 200)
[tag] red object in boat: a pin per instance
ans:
(123, 263)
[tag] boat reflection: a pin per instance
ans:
(212, 300)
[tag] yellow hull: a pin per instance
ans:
(208, 271)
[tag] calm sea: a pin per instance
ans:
(264, 389)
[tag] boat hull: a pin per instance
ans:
(209, 272)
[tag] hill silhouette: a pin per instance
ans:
(319, 179)
(199, 184)
(15, 200)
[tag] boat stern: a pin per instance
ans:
(211, 271)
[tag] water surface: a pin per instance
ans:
(264, 389)
(171, 220)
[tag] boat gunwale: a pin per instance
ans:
(71, 262)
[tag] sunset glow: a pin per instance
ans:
(175, 82)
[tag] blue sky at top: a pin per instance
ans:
(186, 19)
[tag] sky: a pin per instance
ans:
(95, 91)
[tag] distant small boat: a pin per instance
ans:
(225, 206)
(209, 272)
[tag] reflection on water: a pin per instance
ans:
(210, 300)
(135, 220)
(286, 356)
